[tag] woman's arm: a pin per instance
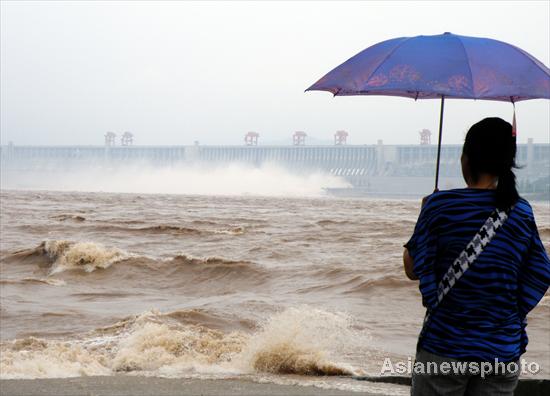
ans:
(419, 229)
(408, 264)
(534, 276)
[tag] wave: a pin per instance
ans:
(339, 280)
(213, 262)
(201, 317)
(298, 340)
(38, 358)
(65, 217)
(47, 281)
(169, 229)
(329, 222)
(138, 227)
(201, 275)
(162, 228)
(204, 222)
(63, 256)
(388, 282)
(231, 231)
(302, 341)
(152, 229)
(86, 256)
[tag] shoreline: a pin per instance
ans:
(124, 385)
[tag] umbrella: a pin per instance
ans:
(441, 66)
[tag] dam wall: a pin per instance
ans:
(358, 164)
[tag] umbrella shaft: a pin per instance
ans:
(439, 142)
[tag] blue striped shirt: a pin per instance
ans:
(484, 315)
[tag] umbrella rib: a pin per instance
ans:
(535, 61)
(469, 65)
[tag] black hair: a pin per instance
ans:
(490, 147)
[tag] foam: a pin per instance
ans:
(35, 358)
(301, 340)
(86, 256)
(295, 341)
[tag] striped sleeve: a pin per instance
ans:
(422, 248)
(534, 276)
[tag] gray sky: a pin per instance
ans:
(175, 72)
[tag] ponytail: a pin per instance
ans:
(507, 193)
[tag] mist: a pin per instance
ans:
(231, 179)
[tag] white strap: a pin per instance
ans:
(471, 252)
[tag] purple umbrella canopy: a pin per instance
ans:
(446, 65)
(441, 66)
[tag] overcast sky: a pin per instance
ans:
(175, 72)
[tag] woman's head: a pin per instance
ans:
(490, 152)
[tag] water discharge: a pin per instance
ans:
(229, 179)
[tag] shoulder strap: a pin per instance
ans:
(466, 258)
(470, 253)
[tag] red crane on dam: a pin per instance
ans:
(340, 138)
(299, 138)
(425, 136)
(127, 139)
(110, 139)
(251, 138)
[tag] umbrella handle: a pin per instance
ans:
(439, 143)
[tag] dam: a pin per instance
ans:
(359, 165)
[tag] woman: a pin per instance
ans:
(482, 316)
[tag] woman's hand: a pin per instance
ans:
(408, 264)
